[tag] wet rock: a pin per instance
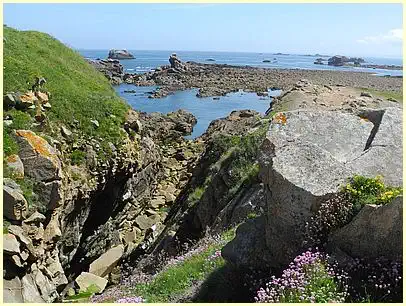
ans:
(86, 280)
(105, 263)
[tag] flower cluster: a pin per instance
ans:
(363, 190)
(136, 299)
(309, 278)
(332, 214)
(214, 256)
(379, 280)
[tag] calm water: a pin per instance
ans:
(205, 109)
(148, 60)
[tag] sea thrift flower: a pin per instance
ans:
(307, 279)
(136, 299)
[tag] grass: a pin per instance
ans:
(77, 90)
(177, 279)
(397, 95)
(77, 157)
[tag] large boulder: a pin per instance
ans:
(42, 164)
(40, 160)
(103, 265)
(305, 159)
(375, 231)
(10, 244)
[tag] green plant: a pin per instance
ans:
(79, 93)
(77, 157)
(252, 215)
(363, 190)
(9, 144)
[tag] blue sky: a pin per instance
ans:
(349, 29)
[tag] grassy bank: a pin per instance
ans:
(79, 93)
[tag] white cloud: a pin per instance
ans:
(392, 36)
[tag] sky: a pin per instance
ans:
(347, 29)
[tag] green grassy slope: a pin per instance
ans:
(77, 90)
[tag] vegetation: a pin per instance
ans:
(77, 157)
(397, 95)
(363, 190)
(78, 91)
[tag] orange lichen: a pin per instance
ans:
(280, 118)
(39, 144)
(28, 97)
(12, 158)
(43, 97)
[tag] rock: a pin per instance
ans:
(144, 222)
(176, 63)
(42, 96)
(36, 217)
(248, 249)
(366, 94)
(39, 158)
(374, 232)
(383, 151)
(66, 132)
(120, 54)
(9, 101)
(30, 291)
(160, 201)
(306, 157)
(12, 292)
(23, 238)
(86, 280)
(46, 287)
(15, 164)
(130, 236)
(15, 205)
(10, 244)
(26, 100)
(95, 123)
(17, 261)
(52, 232)
(105, 263)
(50, 192)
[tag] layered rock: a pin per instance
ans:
(111, 68)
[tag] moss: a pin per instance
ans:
(9, 144)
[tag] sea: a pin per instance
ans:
(208, 109)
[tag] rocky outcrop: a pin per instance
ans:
(176, 63)
(376, 231)
(42, 164)
(339, 60)
(305, 158)
(111, 68)
(15, 205)
(120, 54)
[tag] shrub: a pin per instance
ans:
(309, 278)
(363, 190)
